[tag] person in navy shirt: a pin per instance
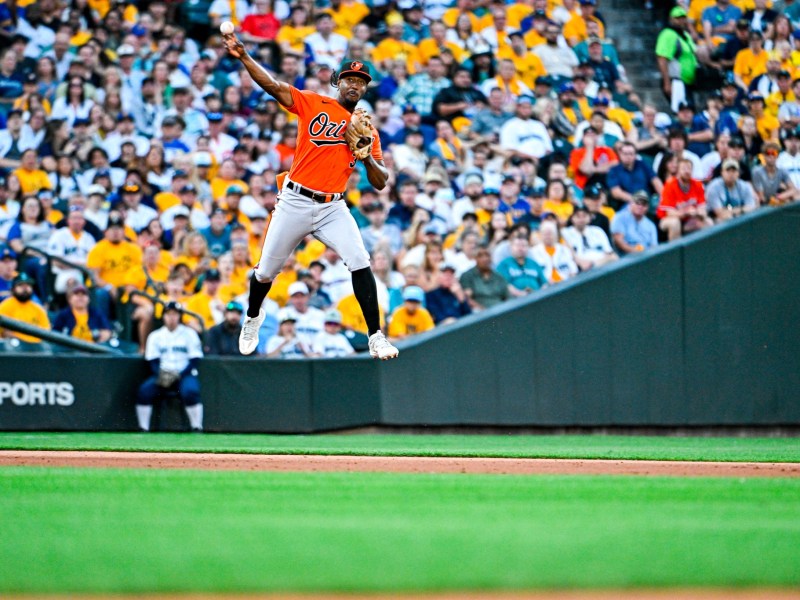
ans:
(448, 301)
(631, 175)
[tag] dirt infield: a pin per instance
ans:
(400, 464)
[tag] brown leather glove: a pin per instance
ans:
(359, 134)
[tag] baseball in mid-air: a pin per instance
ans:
(226, 28)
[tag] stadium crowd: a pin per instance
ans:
(139, 160)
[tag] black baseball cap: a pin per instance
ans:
(172, 305)
(22, 278)
(354, 67)
(213, 275)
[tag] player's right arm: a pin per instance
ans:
(280, 90)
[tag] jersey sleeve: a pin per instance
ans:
(303, 102)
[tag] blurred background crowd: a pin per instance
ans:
(138, 161)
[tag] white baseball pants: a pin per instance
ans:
(294, 218)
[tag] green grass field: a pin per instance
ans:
(99, 530)
(524, 446)
(68, 530)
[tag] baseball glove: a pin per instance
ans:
(359, 134)
(167, 378)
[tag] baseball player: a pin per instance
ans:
(173, 352)
(332, 135)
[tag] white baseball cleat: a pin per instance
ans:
(248, 336)
(380, 347)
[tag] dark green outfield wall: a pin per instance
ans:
(703, 332)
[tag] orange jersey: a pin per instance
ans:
(323, 161)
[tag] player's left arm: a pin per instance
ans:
(377, 173)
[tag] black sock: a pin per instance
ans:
(258, 291)
(367, 295)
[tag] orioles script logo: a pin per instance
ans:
(325, 132)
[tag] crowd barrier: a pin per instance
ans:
(701, 332)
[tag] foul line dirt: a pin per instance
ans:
(393, 464)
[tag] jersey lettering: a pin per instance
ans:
(330, 131)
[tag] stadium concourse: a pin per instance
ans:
(137, 150)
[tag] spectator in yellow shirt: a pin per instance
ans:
(347, 14)
(20, 306)
(410, 318)
(751, 61)
(767, 125)
(206, 302)
(783, 94)
(291, 37)
(393, 47)
(529, 66)
(31, 177)
(113, 258)
(432, 46)
(575, 29)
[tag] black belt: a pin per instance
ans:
(315, 196)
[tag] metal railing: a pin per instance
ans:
(55, 337)
(50, 276)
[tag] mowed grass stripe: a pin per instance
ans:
(511, 446)
(96, 530)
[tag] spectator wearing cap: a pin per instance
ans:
(188, 206)
(676, 144)
(71, 243)
(410, 158)
(331, 342)
(605, 71)
(379, 232)
(8, 270)
(593, 160)
(698, 130)
(766, 83)
(459, 101)
(590, 244)
(174, 349)
(575, 29)
(631, 175)
(785, 94)
(285, 343)
(726, 55)
(728, 196)
(608, 50)
(559, 61)
(421, 88)
(112, 260)
(223, 339)
(509, 82)
(482, 285)
(759, 17)
(137, 215)
(771, 183)
(524, 136)
(12, 141)
(309, 320)
(218, 233)
(750, 61)
(732, 98)
(170, 197)
(171, 138)
(789, 159)
(206, 302)
(632, 230)
(410, 318)
(447, 302)
(528, 65)
(521, 272)
(682, 208)
(125, 131)
(768, 126)
(554, 257)
(736, 151)
(594, 200)
(467, 201)
(412, 121)
(80, 320)
(393, 46)
(195, 121)
(676, 55)
(20, 306)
